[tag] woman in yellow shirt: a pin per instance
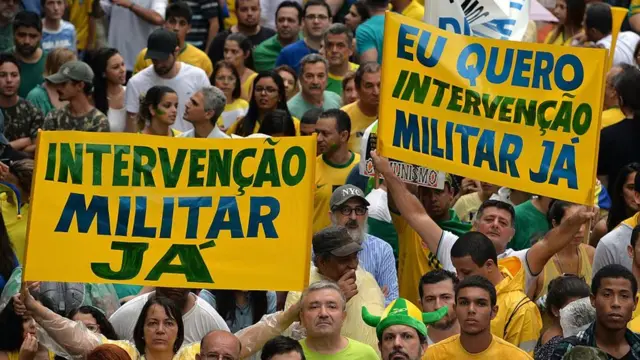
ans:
(226, 78)
(158, 111)
(237, 51)
(268, 95)
(569, 14)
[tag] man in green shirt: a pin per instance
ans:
(337, 46)
(288, 22)
(8, 9)
(27, 33)
(531, 222)
(313, 81)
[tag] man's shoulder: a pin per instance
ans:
(265, 45)
(293, 47)
(188, 70)
(379, 243)
(25, 105)
(132, 306)
(621, 231)
(360, 350)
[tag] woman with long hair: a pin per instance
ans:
(569, 14)
(358, 13)
(17, 335)
(237, 51)
(226, 78)
(94, 320)
(241, 309)
(158, 111)
(268, 95)
(110, 74)
(45, 96)
(623, 203)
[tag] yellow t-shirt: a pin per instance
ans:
(414, 10)
(634, 324)
(359, 123)
(234, 127)
(190, 55)
(15, 355)
(16, 225)
(414, 259)
(328, 178)
(232, 112)
(467, 206)
(247, 87)
(560, 40)
(79, 11)
(451, 348)
(232, 19)
(612, 116)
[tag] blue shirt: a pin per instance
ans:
(32, 5)
(369, 35)
(292, 54)
(65, 37)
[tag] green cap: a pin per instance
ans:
(73, 70)
(403, 312)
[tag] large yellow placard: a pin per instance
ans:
(521, 115)
(173, 212)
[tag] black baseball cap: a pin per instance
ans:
(161, 44)
(334, 240)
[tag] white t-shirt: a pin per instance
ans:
(268, 10)
(216, 133)
(444, 256)
(625, 46)
(127, 32)
(189, 80)
(198, 322)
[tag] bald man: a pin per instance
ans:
(219, 344)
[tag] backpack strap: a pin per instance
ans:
(520, 304)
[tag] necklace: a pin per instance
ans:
(559, 264)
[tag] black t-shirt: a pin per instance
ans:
(216, 50)
(619, 146)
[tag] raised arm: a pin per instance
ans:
(254, 337)
(408, 205)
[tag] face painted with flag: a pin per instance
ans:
(402, 329)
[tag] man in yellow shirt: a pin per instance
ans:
(612, 113)
(334, 164)
(476, 308)
(364, 111)
(409, 8)
(179, 21)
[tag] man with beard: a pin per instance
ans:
(337, 47)
(21, 119)
(8, 10)
(349, 209)
(437, 289)
(198, 316)
(613, 294)
(27, 33)
(74, 83)
(185, 79)
(334, 163)
(313, 87)
(288, 22)
(248, 13)
(475, 308)
(336, 259)
(402, 329)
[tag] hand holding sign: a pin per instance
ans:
(381, 164)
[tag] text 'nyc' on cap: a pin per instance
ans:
(343, 194)
(73, 70)
(161, 44)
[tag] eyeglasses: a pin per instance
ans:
(312, 17)
(94, 328)
(268, 90)
(359, 210)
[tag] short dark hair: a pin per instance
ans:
(634, 236)
(368, 67)
(179, 9)
(281, 345)
(598, 16)
(9, 58)
(339, 29)
(290, 4)
(310, 117)
(311, 3)
(377, 4)
(557, 211)
(343, 121)
(628, 87)
(27, 19)
(478, 281)
(613, 271)
(499, 204)
(434, 277)
(477, 245)
(172, 311)
(563, 288)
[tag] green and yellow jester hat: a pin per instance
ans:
(402, 312)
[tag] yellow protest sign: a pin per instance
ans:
(521, 115)
(173, 212)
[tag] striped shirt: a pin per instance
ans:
(202, 11)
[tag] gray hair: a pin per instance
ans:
(313, 59)
(338, 29)
(214, 100)
(324, 285)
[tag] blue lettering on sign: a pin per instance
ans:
(453, 25)
(425, 57)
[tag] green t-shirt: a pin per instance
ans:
(40, 99)
(454, 224)
(31, 75)
(298, 105)
(530, 222)
(6, 38)
(266, 54)
(354, 351)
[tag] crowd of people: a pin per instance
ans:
(471, 271)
